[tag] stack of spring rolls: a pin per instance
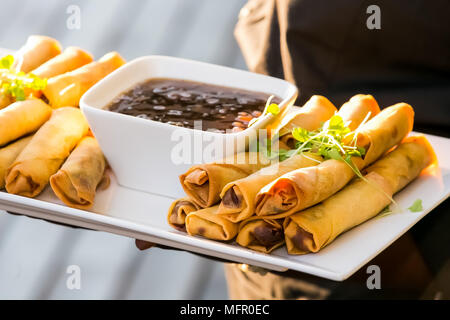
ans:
(45, 138)
(69, 73)
(305, 201)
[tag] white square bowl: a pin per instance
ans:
(140, 150)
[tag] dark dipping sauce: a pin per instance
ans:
(180, 103)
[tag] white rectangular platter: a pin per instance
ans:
(142, 216)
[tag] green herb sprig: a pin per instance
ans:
(327, 141)
(330, 142)
(415, 207)
(270, 108)
(14, 83)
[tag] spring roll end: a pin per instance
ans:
(279, 198)
(61, 185)
(232, 199)
(17, 183)
(299, 241)
(196, 186)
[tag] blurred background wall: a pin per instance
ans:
(35, 255)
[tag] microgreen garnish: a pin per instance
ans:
(328, 142)
(273, 108)
(6, 62)
(385, 212)
(14, 83)
(416, 206)
(270, 107)
(265, 148)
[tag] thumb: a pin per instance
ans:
(143, 245)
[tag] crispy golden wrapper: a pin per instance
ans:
(238, 197)
(36, 51)
(260, 234)
(46, 152)
(203, 183)
(355, 110)
(207, 223)
(314, 112)
(8, 154)
(312, 229)
(77, 180)
(66, 89)
(302, 188)
(21, 118)
(179, 209)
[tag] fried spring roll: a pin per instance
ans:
(315, 111)
(360, 106)
(203, 183)
(238, 197)
(353, 112)
(36, 51)
(66, 89)
(302, 188)
(46, 152)
(402, 166)
(5, 99)
(21, 118)
(384, 131)
(312, 229)
(207, 223)
(260, 234)
(70, 59)
(8, 154)
(77, 180)
(179, 209)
